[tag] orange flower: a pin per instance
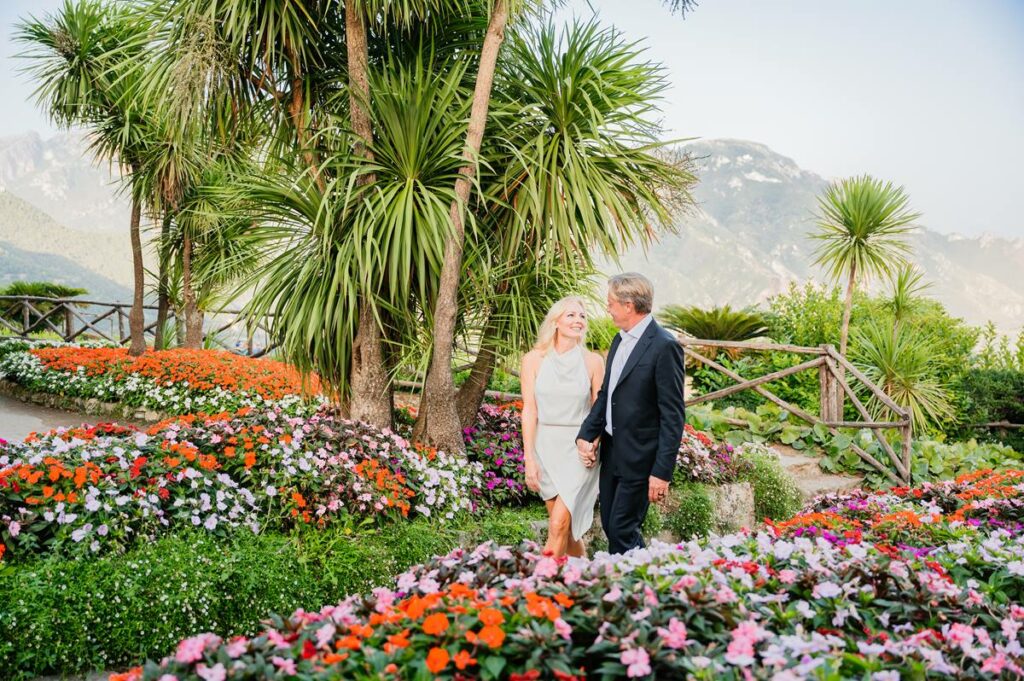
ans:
(436, 624)
(463, 659)
(437, 659)
(490, 617)
(350, 642)
(397, 641)
(492, 636)
(335, 658)
(564, 600)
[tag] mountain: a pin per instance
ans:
(20, 265)
(57, 176)
(747, 240)
(31, 232)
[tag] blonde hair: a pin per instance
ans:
(632, 287)
(548, 328)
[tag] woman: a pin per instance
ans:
(560, 379)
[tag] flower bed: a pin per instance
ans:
(178, 381)
(866, 586)
(94, 489)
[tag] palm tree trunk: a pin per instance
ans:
(471, 394)
(136, 318)
(847, 309)
(438, 421)
(162, 304)
(372, 394)
(193, 317)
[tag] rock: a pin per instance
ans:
(733, 506)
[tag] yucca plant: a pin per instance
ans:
(718, 323)
(908, 287)
(899, 360)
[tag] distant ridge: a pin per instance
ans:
(748, 241)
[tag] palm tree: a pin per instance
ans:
(862, 227)
(572, 165)
(438, 421)
(85, 58)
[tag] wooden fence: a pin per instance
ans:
(832, 371)
(73, 319)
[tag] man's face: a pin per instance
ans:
(620, 312)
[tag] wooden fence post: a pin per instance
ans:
(25, 322)
(831, 395)
(69, 329)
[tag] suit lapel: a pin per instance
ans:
(641, 347)
(611, 358)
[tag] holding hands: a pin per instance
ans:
(587, 452)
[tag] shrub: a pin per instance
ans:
(991, 396)
(694, 515)
(776, 495)
(718, 323)
(73, 616)
(496, 442)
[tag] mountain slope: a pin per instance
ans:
(20, 265)
(748, 241)
(57, 176)
(104, 253)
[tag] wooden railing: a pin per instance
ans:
(832, 371)
(73, 319)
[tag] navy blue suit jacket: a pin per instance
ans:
(648, 412)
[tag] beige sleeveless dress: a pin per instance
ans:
(562, 390)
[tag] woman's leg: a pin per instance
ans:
(559, 528)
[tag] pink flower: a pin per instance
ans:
(563, 629)
(827, 590)
(286, 666)
(546, 567)
(168, 677)
(685, 582)
(14, 528)
(787, 576)
(994, 664)
(214, 673)
(741, 649)
(637, 661)
(675, 636)
(275, 637)
(191, 649)
(237, 646)
(725, 595)
(960, 633)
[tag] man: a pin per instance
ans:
(638, 414)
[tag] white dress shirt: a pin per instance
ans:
(627, 341)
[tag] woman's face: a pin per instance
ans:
(572, 323)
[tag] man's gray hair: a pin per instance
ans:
(633, 287)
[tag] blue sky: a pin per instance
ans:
(926, 93)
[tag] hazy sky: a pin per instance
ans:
(927, 93)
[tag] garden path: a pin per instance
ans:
(811, 480)
(18, 419)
